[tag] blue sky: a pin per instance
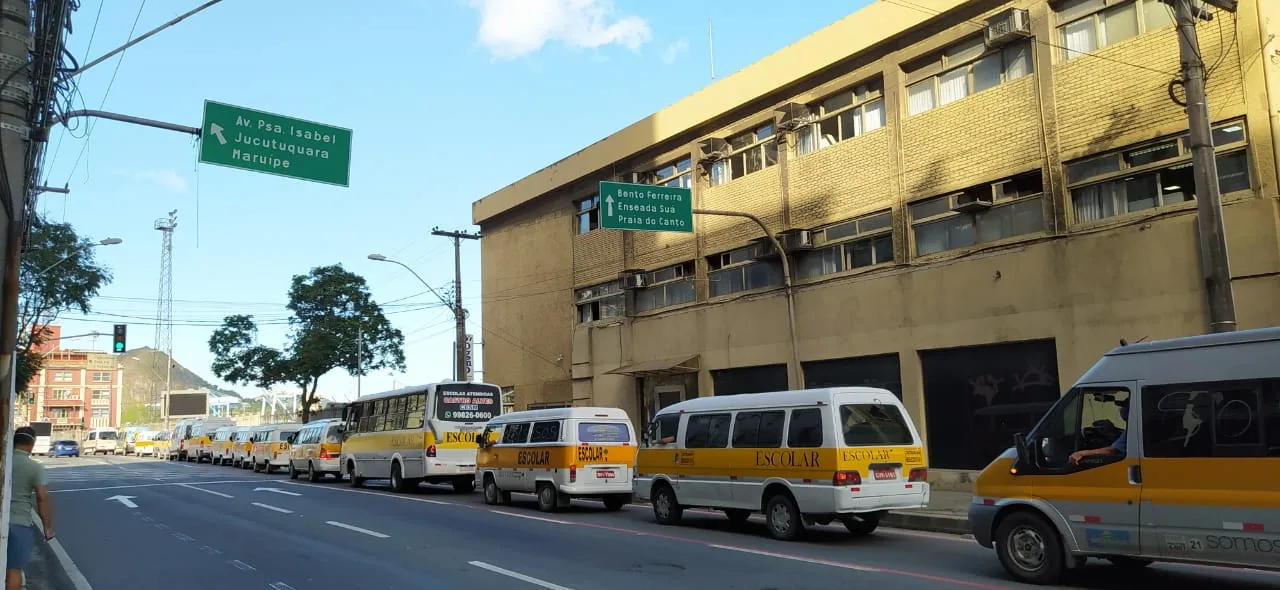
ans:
(449, 100)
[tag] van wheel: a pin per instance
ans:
(666, 510)
(1129, 563)
(492, 495)
(859, 527)
(293, 471)
(397, 478)
(356, 481)
(783, 517)
(737, 515)
(548, 497)
(464, 485)
(1029, 549)
(313, 476)
(615, 502)
(256, 466)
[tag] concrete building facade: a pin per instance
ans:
(76, 390)
(971, 223)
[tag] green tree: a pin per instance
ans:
(58, 273)
(335, 325)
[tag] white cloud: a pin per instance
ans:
(674, 50)
(167, 178)
(513, 28)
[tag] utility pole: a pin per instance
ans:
(1215, 265)
(359, 356)
(164, 307)
(459, 314)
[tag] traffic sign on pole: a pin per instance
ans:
(247, 139)
(645, 207)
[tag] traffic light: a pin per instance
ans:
(118, 345)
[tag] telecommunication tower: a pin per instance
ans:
(164, 310)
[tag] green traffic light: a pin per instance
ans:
(119, 347)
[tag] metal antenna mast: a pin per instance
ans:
(164, 308)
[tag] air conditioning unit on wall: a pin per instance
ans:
(1006, 26)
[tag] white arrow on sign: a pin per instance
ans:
(124, 500)
(609, 201)
(216, 130)
(276, 491)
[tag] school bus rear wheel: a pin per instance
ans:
(1029, 548)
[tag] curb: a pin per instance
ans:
(934, 523)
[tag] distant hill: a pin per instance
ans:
(144, 377)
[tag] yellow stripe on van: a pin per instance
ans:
(372, 441)
(556, 457)
(815, 463)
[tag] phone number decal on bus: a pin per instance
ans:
(468, 414)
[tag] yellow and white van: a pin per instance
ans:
(1191, 474)
(160, 444)
(220, 446)
(420, 433)
(200, 445)
(801, 457)
(318, 450)
(558, 454)
(240, 445)
(179, 439)
(144, 444)
(270, 450)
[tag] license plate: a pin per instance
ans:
(605, 474)
(884, 474)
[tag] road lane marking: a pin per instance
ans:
(152, 485)
(189, 486)
(351, 527)
(126, 501)
(183, 537)
(276, 491)
(372, 493)
(209, 550)
(519, 576)
(161, 526)
(270, 507)
(280, 586)
(530, 517)
(795, 558)
(242, 565)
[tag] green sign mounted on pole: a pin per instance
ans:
(645, 207)
(242, 138)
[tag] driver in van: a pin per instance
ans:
(1118, 448)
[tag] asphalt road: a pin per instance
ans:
(140, 523)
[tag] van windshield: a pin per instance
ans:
(870, 425)
(107, 436)
(603, 432)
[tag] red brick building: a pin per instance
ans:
(76, 390)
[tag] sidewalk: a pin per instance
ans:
(948, 512)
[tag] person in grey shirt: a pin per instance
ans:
(30, 490)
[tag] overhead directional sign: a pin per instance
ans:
(243, 138)
(645, 207)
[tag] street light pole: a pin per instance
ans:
(454, 306)
(459, 313)
(78, 249)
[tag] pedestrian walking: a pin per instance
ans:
(30, 491)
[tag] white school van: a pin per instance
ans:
(847, 454)
(558, 454)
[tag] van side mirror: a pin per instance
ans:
(1023, 450)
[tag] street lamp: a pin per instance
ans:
(105, 242)
(459, 317)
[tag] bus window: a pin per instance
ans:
(603, 432)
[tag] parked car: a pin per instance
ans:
(65, 448)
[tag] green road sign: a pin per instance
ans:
(242, 138)
(645, 207)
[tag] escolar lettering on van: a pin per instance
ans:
(788, 459)
(866, 455)
(593, 454)
(533, 458)
(459, 437)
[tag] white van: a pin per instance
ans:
(801, 457)
(271, 444)
(558, 454)
(100, 440)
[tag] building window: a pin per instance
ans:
(101, 412)
(864, 241)
(62, 413)
(963, 69)
(588, 215)
(601, 302)
(1152, 175)
(753, 151)
(757, 379)
(1014, 208)
(678, 174)
(847, 114)
(666, 287)
(65, 395)
(743, 270)
(1089, 25)
(101, 396)
(62, 376)
(101, 377)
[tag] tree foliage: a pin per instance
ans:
(335, 325)
(59, 273)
